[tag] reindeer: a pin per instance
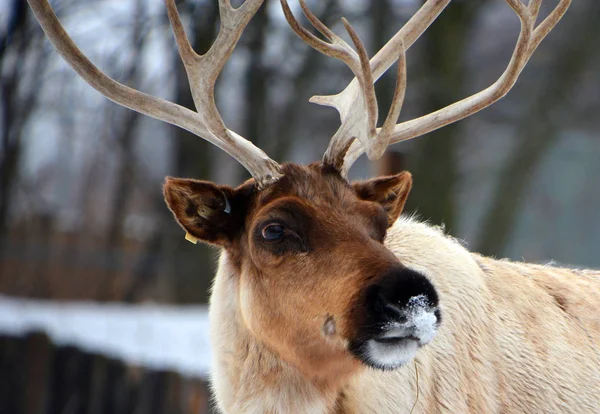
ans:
(325, 299)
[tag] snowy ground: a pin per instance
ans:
(153, 336)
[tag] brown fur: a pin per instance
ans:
(515, 337)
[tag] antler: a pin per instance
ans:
(354, 104)
(202, 72)
(364, 125)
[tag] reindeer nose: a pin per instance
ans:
(402, 306)
(397, 289)
(401, 315)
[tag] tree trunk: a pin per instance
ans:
(9, 81)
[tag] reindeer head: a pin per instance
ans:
(315, 276)
(316, 283)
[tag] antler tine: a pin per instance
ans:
(206, 124)
(349, 102)
(529, 39)
(304, 34)
(357, 104)
(397, 102)
(548, 23)
(186, 51)
(203, 70)
(336, 48)
(367, 79)
(358, 62)
(534, 7)
(316, 22)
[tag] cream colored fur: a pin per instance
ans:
(514, 338)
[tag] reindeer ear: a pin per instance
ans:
(214, 214)
(391, 192)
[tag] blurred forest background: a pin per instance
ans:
(81, 209)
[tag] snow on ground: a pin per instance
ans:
(153, 336)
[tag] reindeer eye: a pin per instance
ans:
(273, 232)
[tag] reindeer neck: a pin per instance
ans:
(248, 377)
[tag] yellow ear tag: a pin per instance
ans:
(191, 238)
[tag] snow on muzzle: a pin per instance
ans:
(401, 315)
